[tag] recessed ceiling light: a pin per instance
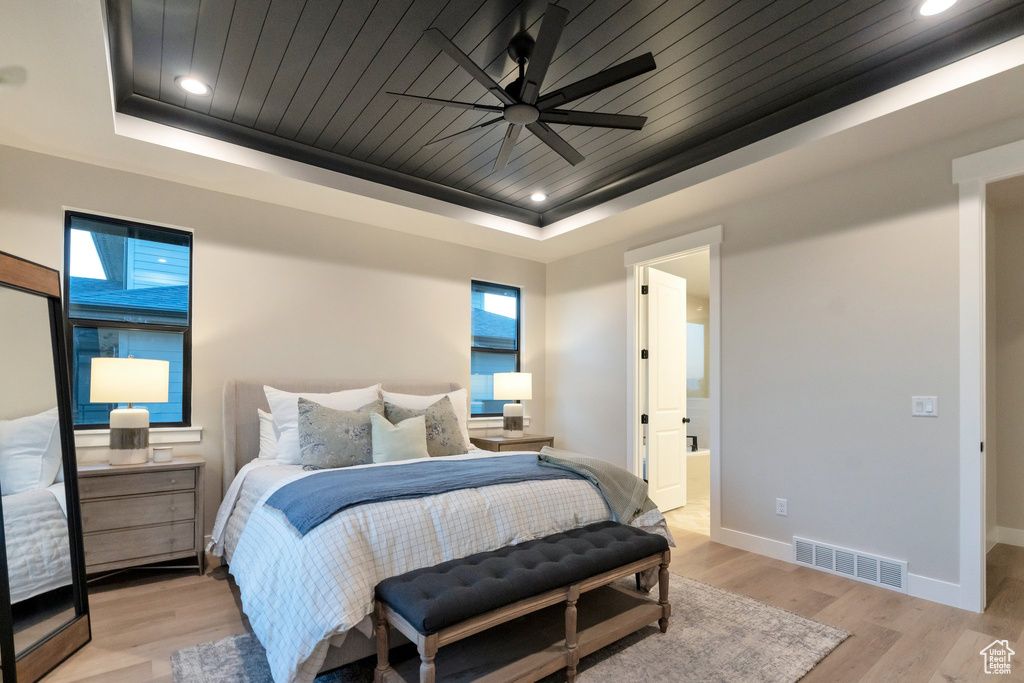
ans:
(538, 196)
(930, 8)
(192, 86)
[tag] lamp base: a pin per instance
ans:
(129, 436)
(512, 415)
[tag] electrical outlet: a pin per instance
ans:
(782, 507)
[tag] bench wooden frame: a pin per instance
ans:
(615, 627)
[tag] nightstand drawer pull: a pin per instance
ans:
(131, 484)
(124, 513)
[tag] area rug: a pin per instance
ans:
(714, 635)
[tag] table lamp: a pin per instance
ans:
(129, 380)
(513, 386)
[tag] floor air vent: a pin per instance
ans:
(880, 571)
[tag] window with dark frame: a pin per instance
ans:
(496, 314)
(128, 292)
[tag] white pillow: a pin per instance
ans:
(459, 399)
(30, 452)
(284, 406)
(406, 440)
(268, 436)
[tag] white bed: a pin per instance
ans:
(308, 598)
(36, 530)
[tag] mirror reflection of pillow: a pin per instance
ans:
(30, 452)
(444, 436)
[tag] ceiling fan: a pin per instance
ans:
(521, 102)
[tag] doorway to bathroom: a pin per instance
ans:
(674, 379)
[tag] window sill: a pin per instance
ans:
(100, 438)
(495, 422)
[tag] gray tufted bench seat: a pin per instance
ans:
(454, 600)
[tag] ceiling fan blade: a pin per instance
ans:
(446, 103)
(569, 117)
(507, 145)
(462, 132)
(555, 142)
(469, 65)
(543, 52)
(599, 81)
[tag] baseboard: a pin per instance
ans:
(943, 592)
(1005, 534)
(991, 538)
(756, 544)
(918, 586)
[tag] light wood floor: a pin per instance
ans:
(695, 516)
(139, 621)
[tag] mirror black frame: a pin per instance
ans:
(42, 657)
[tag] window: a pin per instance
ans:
(128, 292)
(496, 315)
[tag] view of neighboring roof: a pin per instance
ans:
(492, 325)
(92, 292)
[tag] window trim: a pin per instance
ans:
(518, 351)
(91, 323)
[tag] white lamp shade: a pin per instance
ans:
(129, 380)
(513, 386)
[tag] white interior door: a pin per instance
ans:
(666, 388)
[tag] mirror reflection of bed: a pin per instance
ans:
(31, 477)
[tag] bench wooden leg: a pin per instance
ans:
(428, 650)
(666, 608)
(571, 636)
(381, 627)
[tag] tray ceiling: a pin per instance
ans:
(308, 81)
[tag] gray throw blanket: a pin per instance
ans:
(625, 493)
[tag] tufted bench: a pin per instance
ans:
(454, 600)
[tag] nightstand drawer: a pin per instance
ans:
(137, 544)
(129, 484)
(525, 445)
(122, 513)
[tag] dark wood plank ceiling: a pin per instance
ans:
(307, 79)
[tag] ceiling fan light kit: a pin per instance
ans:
(522, 106)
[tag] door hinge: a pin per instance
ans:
(982, 446)
(643, 354)
(643, 289)
(643, 419)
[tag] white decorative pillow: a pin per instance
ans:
(284, 406)
(30, 452)
(403, 441)
(268, 436)
(459, 399)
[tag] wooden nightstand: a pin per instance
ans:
(526, 442)
(139, 514)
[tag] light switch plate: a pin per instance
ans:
(924, 406)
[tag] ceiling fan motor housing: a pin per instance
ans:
(521, 114)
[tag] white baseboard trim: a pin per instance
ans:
(927, 588)
(918, 586)
(991, 538)
(1005, 534)
(768, 547)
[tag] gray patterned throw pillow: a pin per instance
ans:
(331, 438)
(444, 436)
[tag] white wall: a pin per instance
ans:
(27, 386)
(1006, 369)
(839, 302)
(284, 293)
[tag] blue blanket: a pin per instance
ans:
(310, 501)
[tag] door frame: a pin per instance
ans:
(972, 173)
(709, 240)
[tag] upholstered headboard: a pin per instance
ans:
(243, 397)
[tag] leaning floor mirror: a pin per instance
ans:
(43, 607)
